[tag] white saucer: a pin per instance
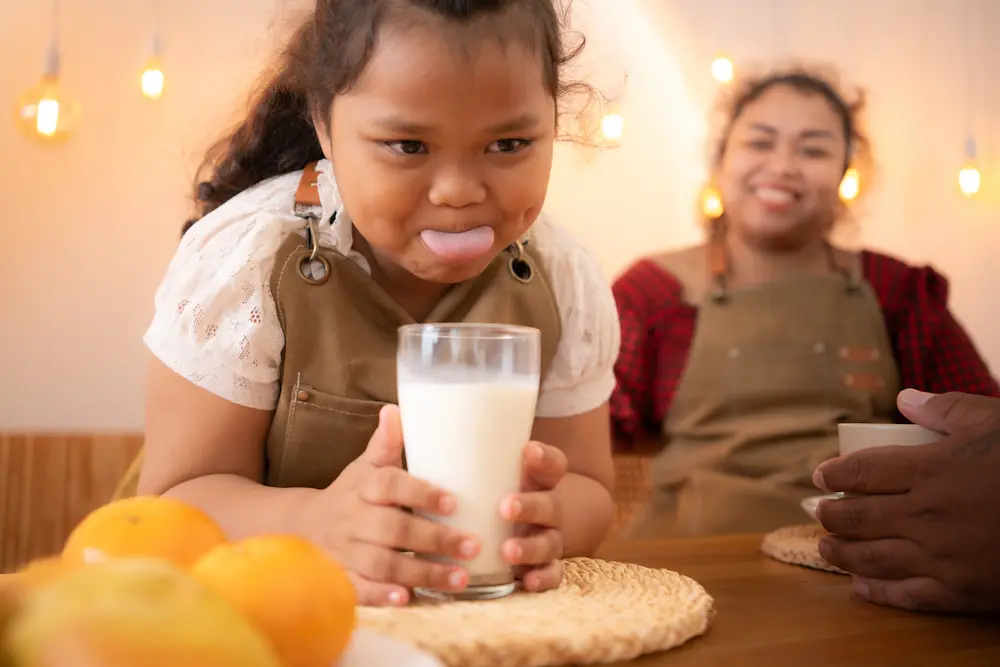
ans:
(812, 502)
(368, 649)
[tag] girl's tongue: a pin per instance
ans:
(459, 245)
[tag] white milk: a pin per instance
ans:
(468, 438)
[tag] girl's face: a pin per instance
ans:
(781, 169)
(442, 152)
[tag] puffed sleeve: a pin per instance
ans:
(214, 321)
(582, 374)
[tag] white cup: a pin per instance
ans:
(467, 395)
(855, 437)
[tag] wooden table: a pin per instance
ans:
(770, 614)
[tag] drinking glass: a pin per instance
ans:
(467, 395)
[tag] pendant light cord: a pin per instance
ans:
(51, 68)
(970, 58)
(157, 39)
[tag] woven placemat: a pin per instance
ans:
(602, 612)
(798, 545)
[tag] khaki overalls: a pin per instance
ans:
(340, 328)
(771, 371)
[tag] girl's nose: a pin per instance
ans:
(457, 187)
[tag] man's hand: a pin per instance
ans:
(923, 532)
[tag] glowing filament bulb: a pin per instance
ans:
(152, 76)
(969, 179)
(711, 203)
(152, 80)
(722, 69)
(47, 118)
(613, 126)
(850, 186)
(46, 113)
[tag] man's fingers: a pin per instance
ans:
(891, 469)
(916, 594)
(863, 517)
(947, 413)
(888, 559)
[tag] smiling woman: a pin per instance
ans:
(741, 355)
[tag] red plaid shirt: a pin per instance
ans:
(932, 350)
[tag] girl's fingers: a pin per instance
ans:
(379, 564)
(537, 548)
(378, 594)
(543, 578)
(537, 508)
(393, 528)
(544, 466)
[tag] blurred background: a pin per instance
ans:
(88, 224)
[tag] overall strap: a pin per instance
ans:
(720, 264)
(313, 268)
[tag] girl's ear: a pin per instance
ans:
(322, 127)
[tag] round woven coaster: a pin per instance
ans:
(798, 545)
(602, 612)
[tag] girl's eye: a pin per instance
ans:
(509, 145)
(406, 147)
(759, 144)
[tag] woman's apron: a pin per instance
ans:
(340, 328)
(771, 371)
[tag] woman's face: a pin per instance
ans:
(781, 168)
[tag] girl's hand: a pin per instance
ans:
(360, 519)
(538, 546)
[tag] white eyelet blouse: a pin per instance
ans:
(215, 322)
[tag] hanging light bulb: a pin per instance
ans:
(613, 126)
(969, 178)
(152, 76)
(850, 185)
(722, 69)
(44, 112)
(711, 202)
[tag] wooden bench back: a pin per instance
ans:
(632, 488)
(48, 483)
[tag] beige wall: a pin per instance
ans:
(86, 229)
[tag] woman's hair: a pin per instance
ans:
(823, 81)
(326, 56)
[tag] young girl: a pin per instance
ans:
(740, 356)
(393, 171)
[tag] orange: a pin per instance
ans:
(11, 597)
(132, 612)
(293, 591)
(144, 527)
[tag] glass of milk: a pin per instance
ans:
(467, 395)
